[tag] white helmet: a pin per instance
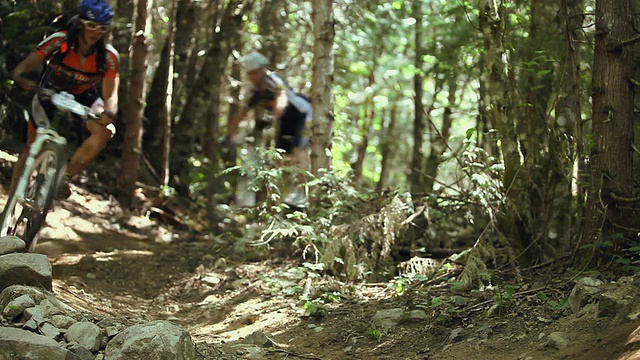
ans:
(253, 61)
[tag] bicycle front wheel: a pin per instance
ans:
(25, 213)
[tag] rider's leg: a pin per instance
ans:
(99, 136)
(91, 147)
(289, 139)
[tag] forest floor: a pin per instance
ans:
(223, 290)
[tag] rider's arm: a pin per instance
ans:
(31, 63)
(235, 121)
(280, 104)
(110, 96)
(110, 84)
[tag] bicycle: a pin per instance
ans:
(44, 168)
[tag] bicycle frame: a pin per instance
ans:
(47, 139)
(43, 135)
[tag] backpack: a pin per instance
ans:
(72, 29)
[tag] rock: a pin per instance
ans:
(61, 321)
(557, 341)
(413, 316)
(584, 292)
(86, 334)
(30, 325)
(154, 340)
(13, 292)
(17, 306)
(52, 300)
(111, 331)
(609, 305)
(387, 319)
(455, 335)
(35, 313)
(81, 352)
(250, 352)
(30, 346)
(240, 283)
(211, 280)
(49, 309)
(48, 330)
(221, 263)
(25, 269)
(11, 244)
(258, 338)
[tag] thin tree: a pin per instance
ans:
(322, 90)
(130, 163)
(166, 147)
(418, 120)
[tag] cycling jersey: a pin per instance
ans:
(76, 74)
(266, 94)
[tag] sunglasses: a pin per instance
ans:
(94, 26)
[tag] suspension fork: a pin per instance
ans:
(43, 135)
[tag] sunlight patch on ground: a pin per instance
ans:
(62, 221)
(95, 206)
(69, 259)
(633, 341)
(248, 317)
(110, 256)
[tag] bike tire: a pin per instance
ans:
(45, 176)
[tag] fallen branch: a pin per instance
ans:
(479, 306)
(310, 356)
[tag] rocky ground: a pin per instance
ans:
(122, 276)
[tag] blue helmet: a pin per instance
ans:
(96, 10)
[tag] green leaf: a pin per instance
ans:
(359, 68)
(470, 133)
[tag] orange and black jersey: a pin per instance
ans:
(75, 73)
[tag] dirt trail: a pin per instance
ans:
(129, 267)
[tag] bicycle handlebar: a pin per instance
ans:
(63, 100)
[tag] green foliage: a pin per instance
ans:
(405, 282)
(444, 308)
(559, 305)
(375, 333)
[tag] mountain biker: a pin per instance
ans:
(290, 109)
(72, 65)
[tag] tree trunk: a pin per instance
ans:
(569, 118)
(130, 163)
(122, 36)
(415, 178)
(361, 152)
(612, 153)
(271, 27)
(168, 98)
(185, 43)
(322, 89)
(386, 148)
(440, 138)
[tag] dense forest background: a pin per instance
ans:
(502, 130)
